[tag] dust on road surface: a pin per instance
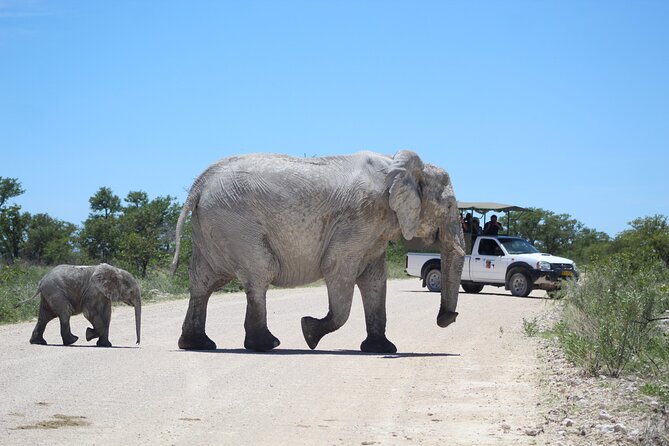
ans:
(473, 383)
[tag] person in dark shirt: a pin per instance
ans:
(492, 227)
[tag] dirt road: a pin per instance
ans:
(473, 383)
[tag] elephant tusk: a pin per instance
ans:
(457, 249)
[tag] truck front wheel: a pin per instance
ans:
(433, 280)
(519, 284)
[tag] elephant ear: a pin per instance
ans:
(404, 193)
(108, 280)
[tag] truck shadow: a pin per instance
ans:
(307, 352)
(482, 293)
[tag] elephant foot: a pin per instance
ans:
(446, 318)
(69, 340)
(103, 343)
(311, 331)
(377, 344)
(91, 334)
(196, 342)
(261, 342)
(39, 340)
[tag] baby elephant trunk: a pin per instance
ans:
(138, 318)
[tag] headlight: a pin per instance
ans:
(544, 266)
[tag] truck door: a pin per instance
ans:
(487, 264)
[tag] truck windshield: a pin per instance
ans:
(518, 246)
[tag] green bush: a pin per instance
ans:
(18, 283)
(161, 284)
(395, 260)
(610, 320)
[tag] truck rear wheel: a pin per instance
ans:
(433, 280)
(472, 287)
(519, 284)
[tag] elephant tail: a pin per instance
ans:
(193, 196)
(39, 290)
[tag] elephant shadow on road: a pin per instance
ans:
(296, 352)
(92, 346)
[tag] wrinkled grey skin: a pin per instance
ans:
(68, 290)
(273, 219)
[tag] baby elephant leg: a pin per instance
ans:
(100, 323)
(45, 315)
(65, 333)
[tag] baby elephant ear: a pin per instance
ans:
(108, 280)
(404, 196)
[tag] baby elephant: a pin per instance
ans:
(67, 290)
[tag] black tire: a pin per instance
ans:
(433, 280)
(472, 287)
(520, 284)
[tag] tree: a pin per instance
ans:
(647, 235)
(560, 234)
(9, 188)
(104, 203)
(49, 241)
(100, 234)
(526, 224)
(589, 245)
(13, 222)
(146, 228)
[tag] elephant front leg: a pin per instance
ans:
(100, 318)
(372, 284)
(340, 297)
(258, 337)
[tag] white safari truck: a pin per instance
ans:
(511, 262)
(499, 260)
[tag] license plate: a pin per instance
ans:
(567, 273)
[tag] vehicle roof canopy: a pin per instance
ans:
(483, 206)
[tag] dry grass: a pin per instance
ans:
(58, 421)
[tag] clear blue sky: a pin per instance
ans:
(562, 105)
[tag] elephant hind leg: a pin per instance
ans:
(193, 336)
(65, 332)
(45, 315)
(258, 337)
(203, 282)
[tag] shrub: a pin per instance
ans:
(395, 260)
(610, 317)
(18, 283)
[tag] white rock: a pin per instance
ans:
(604, 415)
(605, 428)
(619, 427)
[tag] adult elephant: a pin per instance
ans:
(67, 290)
(274, 219)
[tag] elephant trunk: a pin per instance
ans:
(138, 318)
(452, 261)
